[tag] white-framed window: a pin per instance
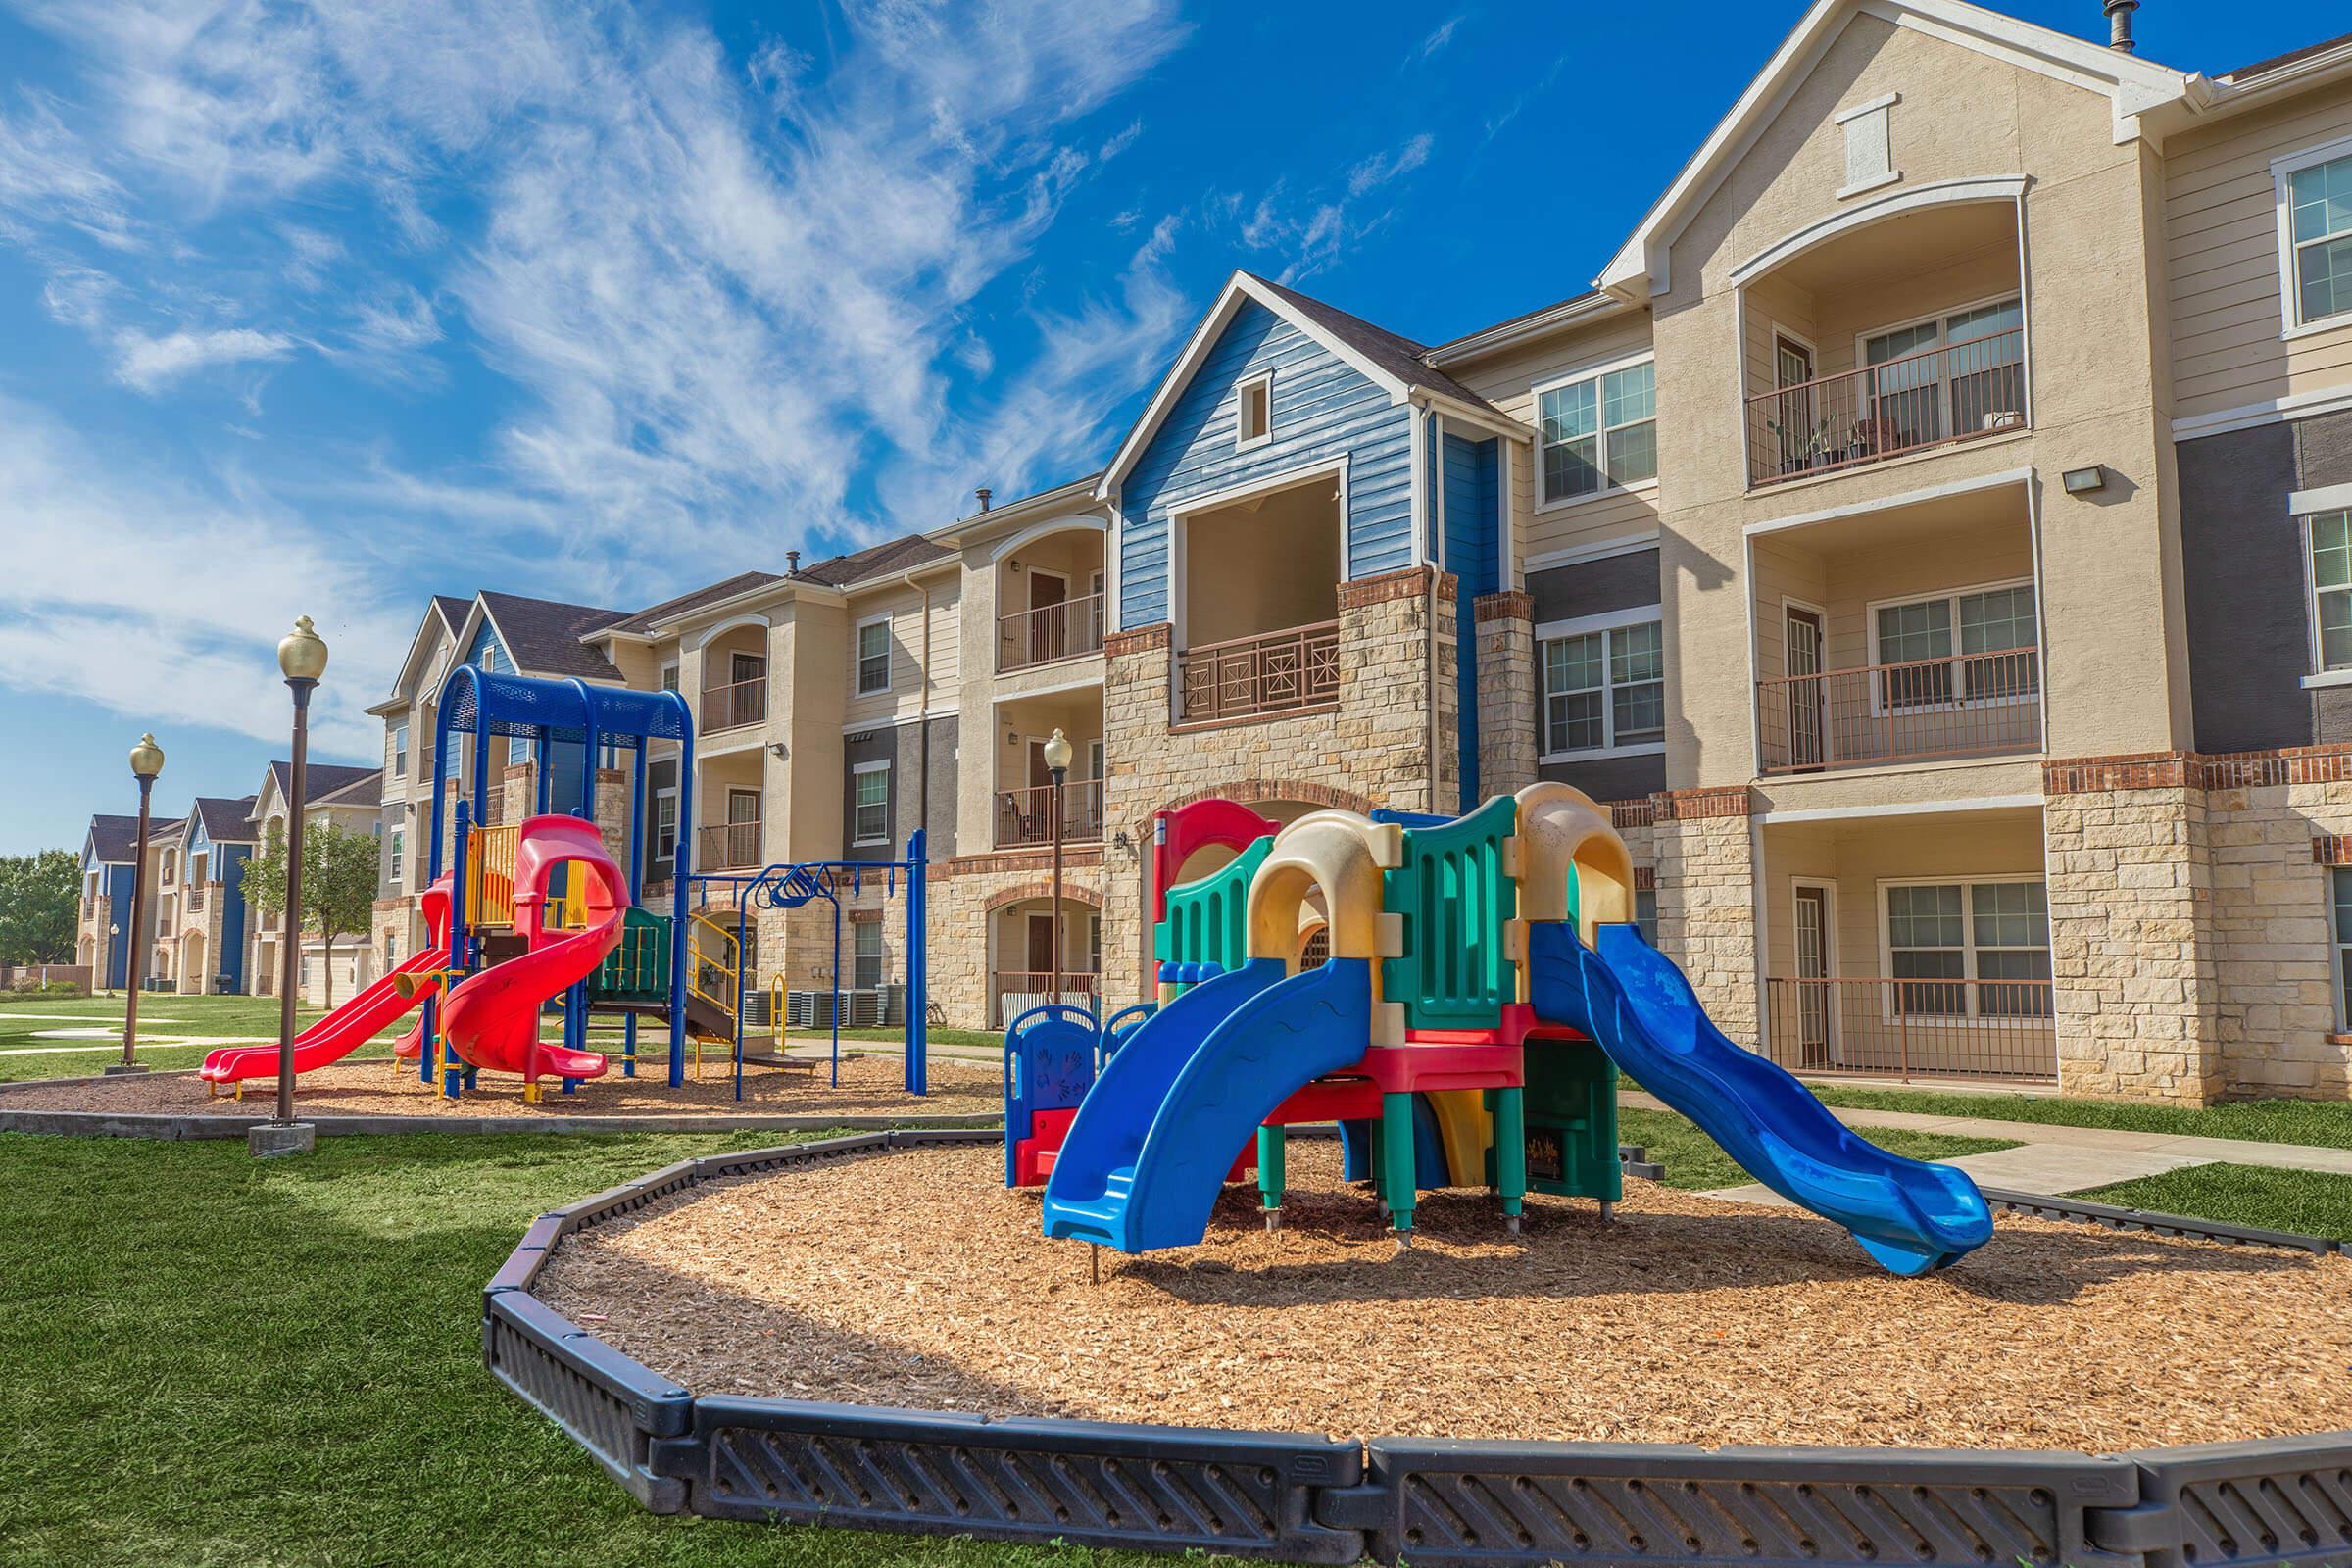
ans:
(670, 676)
(869, 803)
(2339, 880)
(1254, 412)
(2314, 193)
(1960, 646)
(1957, 374)
(865, 955)
(1645, 914)
(1967, 948)
(665, 826)
(1596, 432)
(873, 655)
(2328, 542)
(398, 842)
(1604, 684)
(400, 751)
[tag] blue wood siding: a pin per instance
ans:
(119, 883)
(489, 653)
(231, 958)
(1473, 552)
(1322, 408)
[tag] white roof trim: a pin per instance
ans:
(1241, 286)
(1524, 328)
(1861, 215)
(2135, 86)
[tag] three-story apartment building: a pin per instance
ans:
(210, 946)
(1931, 531)
(109, 875)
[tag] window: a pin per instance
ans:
(2331, 543)
(1975, 383)
(1973, 647)
(865, 955)
(665, 826)
(1645, 914)
(1253, 412)
(871, 804)
(391, 950)
(400, 751)
(1598, 433)
(670, 676)
(1961, 950)
(1605, 689)
(393, 859)
(2340, 879)
(873, 655)
(2314, 223)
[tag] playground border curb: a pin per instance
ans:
(1435, 1502)
(198, 1126)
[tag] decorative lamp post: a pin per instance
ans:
(146, 761)
(301, 659)
(1058, 767)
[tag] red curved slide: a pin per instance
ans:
(346, 1028)
(492, 1018)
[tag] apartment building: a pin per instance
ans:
(346, 797)
(209, 943)
(109, 867)
(1934, 532)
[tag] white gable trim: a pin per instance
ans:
(1237, 288)
(1079, 522)
(2133, 86)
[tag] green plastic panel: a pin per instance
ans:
(638, 968)
(1208, 918)
(1572, 1121)
(1455, 901)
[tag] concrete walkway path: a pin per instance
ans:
(2055, 1160)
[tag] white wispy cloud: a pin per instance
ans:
(1310, 232)
(148, 364)
(1437, 38)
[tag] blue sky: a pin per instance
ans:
(324, 308)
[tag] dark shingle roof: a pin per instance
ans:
(544, 636)
(453, 610)
(226, 821)
(1400, 356)
(323, 779)
(1513, 321)
(892, 556)
(115, 839)
(2259, 67)
(741, 582)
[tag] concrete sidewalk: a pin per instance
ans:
(2056, 1160)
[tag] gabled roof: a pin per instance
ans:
(2135, 86)
(453, 611)
(225, 821)
(328, 784)
(884, 559)
(113, 840)
(743, 582)
(544, 637)
(1392, 363)
(2263, 68)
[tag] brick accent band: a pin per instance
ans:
(1646, 879)
(2332, 848)
(2099, 776)
(1698, 805)
(1073, 859)
(1154, 638)
(1632, 813)
(1509, 605)
(2292, 765)
(1408, 582)
(2172, 770)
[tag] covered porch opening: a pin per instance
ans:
(734, 694)
(1900, 635)
(729, 836)
(1914, 946)
(1020, 956)
(1050, 600)
(1258, 625)
(1024, 795)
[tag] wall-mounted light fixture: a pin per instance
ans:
(776, 748)
(2083, 481)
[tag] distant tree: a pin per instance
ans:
(40, 907)
(338, 884)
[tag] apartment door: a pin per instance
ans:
(1809, 706)
(1816, 1016)
(1048, 591)
(1803, 441)
(1041, 950)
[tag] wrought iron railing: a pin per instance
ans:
(727, 846)
(1959, 393)
(1973, 704)
(734, 706)
(1273, 672)
(1049, 633)
(1883, 1028)
(1026, 816)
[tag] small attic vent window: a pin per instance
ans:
(1869, 148)
(1253, 422)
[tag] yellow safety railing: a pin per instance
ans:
(490, 875)
(713, 960)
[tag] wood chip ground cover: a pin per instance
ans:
(914, 1280)
(869, 1086)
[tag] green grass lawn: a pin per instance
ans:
(2325, 1123)
(2307, 1202)
(1696, 1162)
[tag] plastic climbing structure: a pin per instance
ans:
(1459, 995)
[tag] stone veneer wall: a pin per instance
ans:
(1506, 692)
(1371, 747)
(1704, 866)
(965, 893)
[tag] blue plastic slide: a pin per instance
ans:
(1908, 1215)
(1149, 1150)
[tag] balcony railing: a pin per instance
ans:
(1017, 991)
(1274, 672)
(1914, 1028)
(1975, 705)
(195, 898)
(1960, 393)
(727, 846)
(1041, 636)
(734, 706)
(1026, 816)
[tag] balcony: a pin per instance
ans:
(728, 847)
(1283, 671)
(735, 707)
(1026, 816)
(1017, 991)
(1976, 704)
(1049, 633)
(196, 898)
(1963, 392)
(1913, 1028)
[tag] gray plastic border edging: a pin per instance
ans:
(1435, 1503)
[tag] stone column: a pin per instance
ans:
(1136, 746)
(1706, 877)
(1506, 692)
(2129, 881)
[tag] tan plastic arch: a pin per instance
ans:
(1327, 851)
(1564, 833)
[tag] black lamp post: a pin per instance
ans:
(146, 761)
(1057, 769)
(301, 659)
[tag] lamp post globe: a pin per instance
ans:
(302, 651)
(1059, 753)
(146, 757)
